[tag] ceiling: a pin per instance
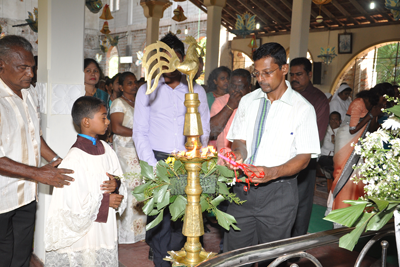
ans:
(275, 16)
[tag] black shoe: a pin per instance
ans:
(151, 256)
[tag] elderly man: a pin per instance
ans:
(21, 146)
(275, 130)
(300, 79)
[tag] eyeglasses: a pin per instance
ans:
(263, 74)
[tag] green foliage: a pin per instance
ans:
(369, 214)
(169, 177)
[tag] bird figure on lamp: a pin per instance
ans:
(166, 61)
(245, 25)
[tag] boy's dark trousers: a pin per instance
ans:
(167, 235)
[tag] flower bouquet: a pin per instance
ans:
(379, 170)
(164, 188)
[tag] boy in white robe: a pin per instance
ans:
(81, 228)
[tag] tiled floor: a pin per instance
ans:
(135, 255)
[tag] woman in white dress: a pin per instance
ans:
(132, 224)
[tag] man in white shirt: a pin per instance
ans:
(21, 147)
(274, 129)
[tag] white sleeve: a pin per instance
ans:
(307, 138)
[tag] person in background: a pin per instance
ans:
(274, 130)
(92, 76)
(115, 87)
(157, 131)
(217, 84)
(362, 112)
(341, 100)
(325, 161)
(34, 79)
(224, 108)
(132, 223)
(300, 80)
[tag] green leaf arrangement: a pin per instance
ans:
(369, 214)
(164, 188)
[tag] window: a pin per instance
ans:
(374, 65)
(114, 5)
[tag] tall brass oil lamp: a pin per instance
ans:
(192, 253)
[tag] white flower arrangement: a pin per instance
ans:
(379, 171)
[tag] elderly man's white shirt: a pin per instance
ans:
(19, 141)
(290, 129)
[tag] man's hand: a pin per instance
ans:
(50, 175)
(115, 200)
(269, 174)
(234, 99)
(238, 160)
(110, 185)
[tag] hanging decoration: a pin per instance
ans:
(245, 25)
(319, 18)
(253, 44)
(328, 54)
(31, 22)
(113, 41)
(139, 56)
(99, 57)
(105, 29)
(178, 14)
(106, 15)
(94, 6)
(394, 7)
(104, 45)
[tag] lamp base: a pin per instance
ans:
(178, 258)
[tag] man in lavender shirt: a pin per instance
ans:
(157, 131)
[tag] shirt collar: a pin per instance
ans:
(6, 91)
(287, 96)
(92, 139)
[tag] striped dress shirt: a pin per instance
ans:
(19, 141)
(290, 127)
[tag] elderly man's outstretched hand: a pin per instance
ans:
(51, 175)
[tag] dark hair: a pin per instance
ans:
(108, 80)
(372, 96)
(9, 42)
(242, 73)
(384, 89)
(211, 86)
(274, 50)
(173, 42)
(85, 107)
(88, 61)
(116, 76)
(123, 77)
(335, 113)
(298, 61)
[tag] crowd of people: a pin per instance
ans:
(285, 131)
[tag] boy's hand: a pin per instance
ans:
(115, 200)
(110, 185)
